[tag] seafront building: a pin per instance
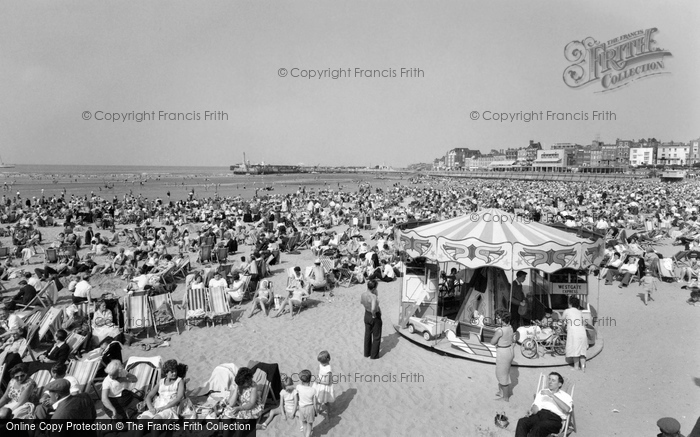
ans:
(619, 156)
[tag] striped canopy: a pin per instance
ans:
(492, 237)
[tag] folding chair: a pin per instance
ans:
(569, 424)
(50, 321)
(162, 301)
(292, 242)
(75, 341)
(147, 371)
(136, 313)
(5, 252)
(182, 270)
(46, 297)
(260, 379)
(51, 255)
(221, 254)
(196, 308)
(41, 377)
(84, 371)
(205, 254)
(218, 304)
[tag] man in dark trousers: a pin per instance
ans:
(517, 299)
(373, 320)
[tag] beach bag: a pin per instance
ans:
(501, 420)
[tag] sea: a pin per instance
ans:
(171, 182)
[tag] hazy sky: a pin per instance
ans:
(60, 59)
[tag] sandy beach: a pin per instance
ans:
(648, 369)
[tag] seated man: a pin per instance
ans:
(59, 352)
(613, 267)
(25, 295)
(628, 269)
(317, 277)
(548, 411)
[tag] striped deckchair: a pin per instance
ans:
(41, 377)
(196, 308)
(147, 371)
(218, 304)
(51, 321)
(75, 341)
(136, 313)
(84, 371)
(155, 303)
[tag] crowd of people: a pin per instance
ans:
(141, 241)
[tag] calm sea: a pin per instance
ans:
(112, 169)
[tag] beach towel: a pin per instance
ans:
(163, 315)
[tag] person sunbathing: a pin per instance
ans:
(295, 297)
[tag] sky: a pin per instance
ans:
(67, 66)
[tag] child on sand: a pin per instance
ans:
(307, 402)
(289, 404)
(324, 382)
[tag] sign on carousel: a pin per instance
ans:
(569, 288)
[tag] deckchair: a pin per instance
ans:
(218, 304)
(51, 321)
(136, 313)
(205, 254)
(292, 242)
(196, 308)
(260, 378)
(75, 341)
(51, 255)
(5, 252)
(147, 371)
(46, 297)
(569, 424)
(221, 254)
(84, 371)
(158, 302)
(41, 377)
(182, 269)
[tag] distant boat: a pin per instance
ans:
(3, 165)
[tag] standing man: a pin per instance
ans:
(517, 299)
(373, 320)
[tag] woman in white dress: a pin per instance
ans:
(164, 399)
(103, 324)
(576, 339)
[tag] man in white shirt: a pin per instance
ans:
(218, 281)
(628, 270)
(34, 281)
(613, 267)
(548, 411)
(82, 291)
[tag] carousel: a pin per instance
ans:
(459, 275)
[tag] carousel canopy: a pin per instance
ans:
(492, 237)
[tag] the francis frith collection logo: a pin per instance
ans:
(615, 63)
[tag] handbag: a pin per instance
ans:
(501, 420)
(523, 309)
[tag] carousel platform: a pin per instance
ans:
(445, 347)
